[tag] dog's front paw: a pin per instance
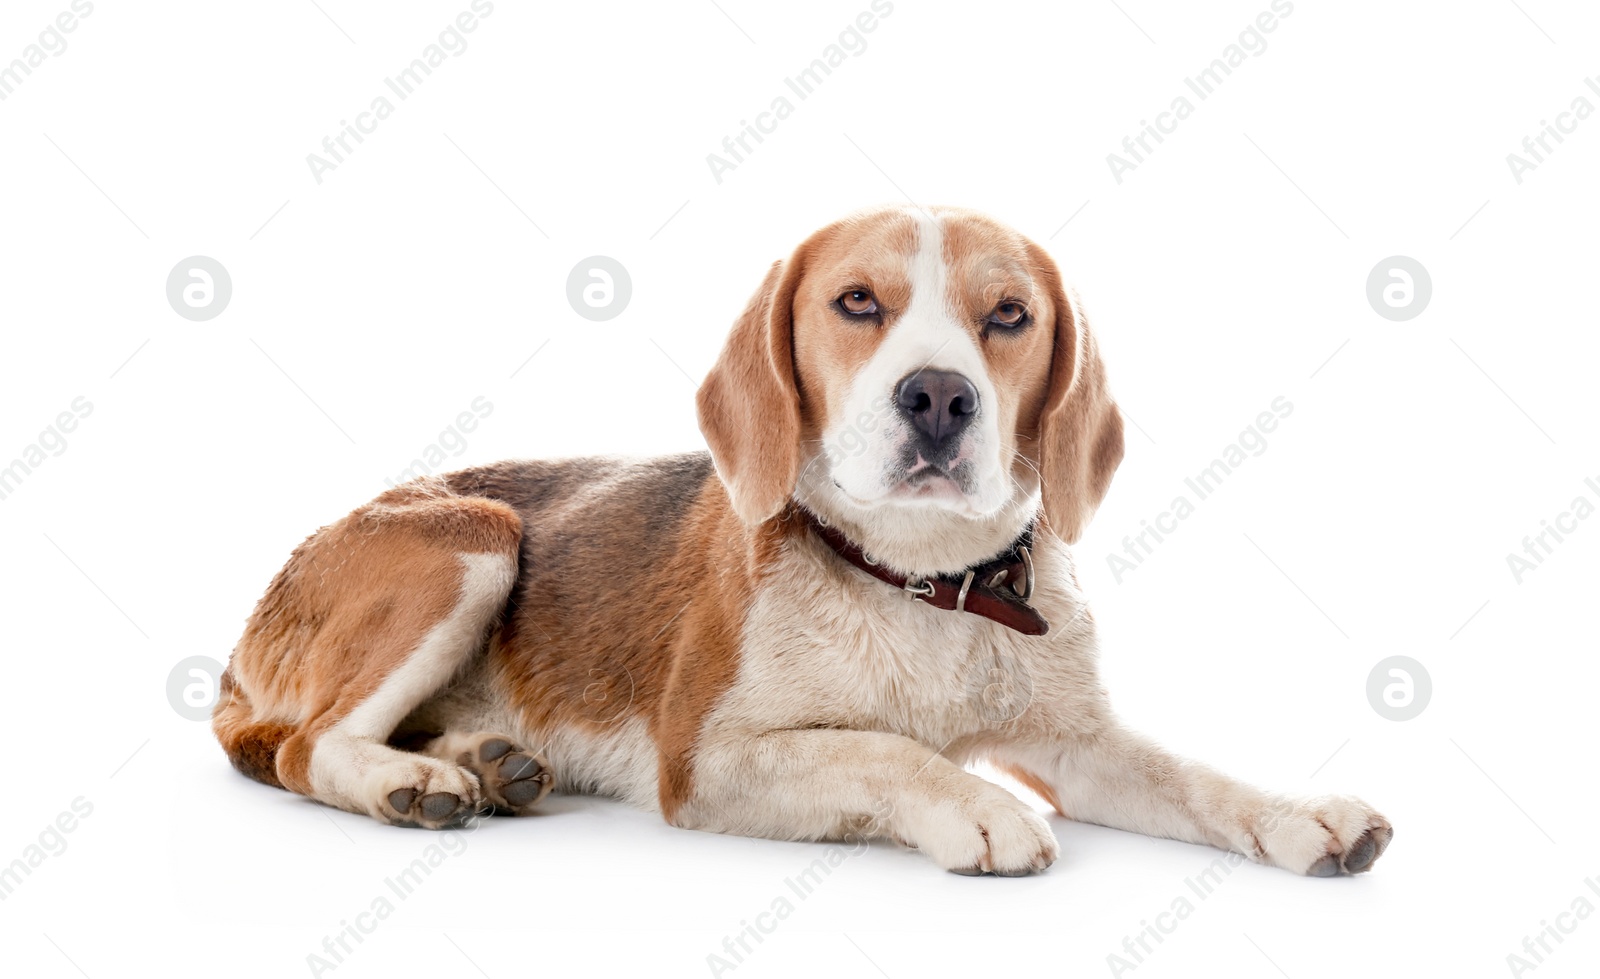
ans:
(995, 833)
(424, 793)
(1322, 837)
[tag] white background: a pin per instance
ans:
(1224, 272)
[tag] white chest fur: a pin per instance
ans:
(828, 646)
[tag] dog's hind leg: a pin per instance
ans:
(371, 617)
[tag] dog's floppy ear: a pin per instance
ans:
(749, 404)
(1080, 429)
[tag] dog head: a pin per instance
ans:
(916, 366)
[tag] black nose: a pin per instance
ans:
(940, 403)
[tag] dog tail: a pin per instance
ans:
(251, 745)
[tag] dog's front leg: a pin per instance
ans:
(1116, 777)
(831, 784)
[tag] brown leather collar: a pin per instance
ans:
(997, 589)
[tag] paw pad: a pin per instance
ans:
(513, 779)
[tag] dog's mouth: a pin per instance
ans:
(915, 478)
(926, 481)
(930, 476)
(929, 487)
(928, 484)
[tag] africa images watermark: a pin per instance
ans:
(52, 842)
(452, 42)
(1539, 546)
(1536, 947)
(1251, 442)
(1538, 147)
(339, 946)
(52, 42)
(852, 441)
(1252, 43)
(852, 42)
(452, 440)
(1139, 946)
(736, 948)
(53, 440)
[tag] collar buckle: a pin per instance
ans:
(915, 589)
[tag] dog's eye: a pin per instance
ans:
(1009, 315)
(858, 302)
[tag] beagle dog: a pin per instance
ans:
(804, 634)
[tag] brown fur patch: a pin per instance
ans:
(638, 615)
(869, 251)
(255, 752)
(1080, 429)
